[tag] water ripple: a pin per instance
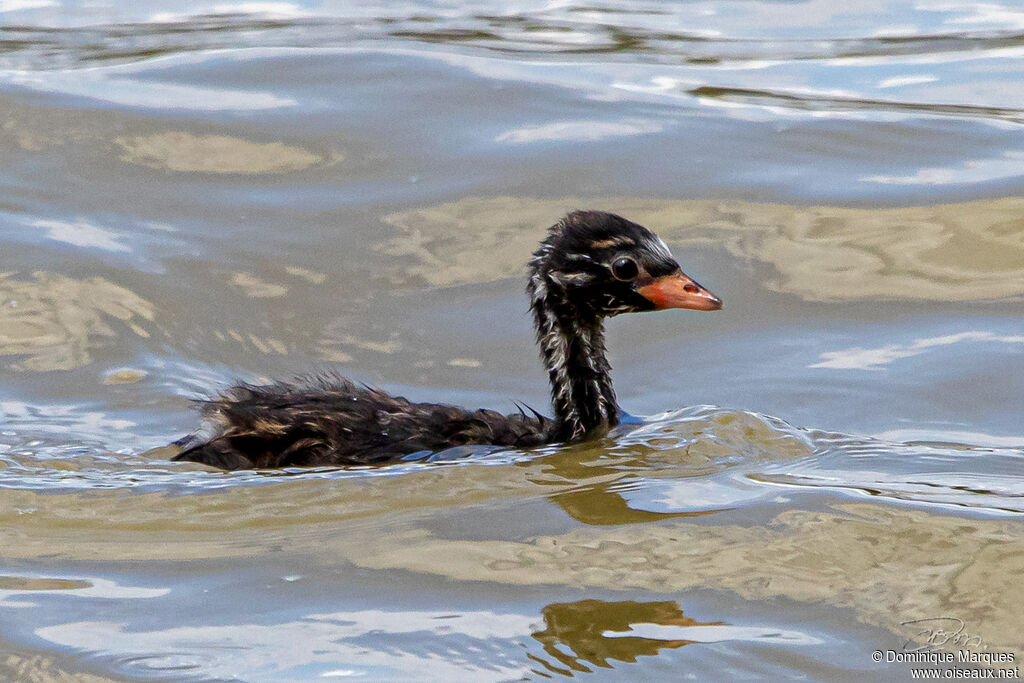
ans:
(549, 32)
(982, 479)
(779, 71)
(695, 460)
(809, 102)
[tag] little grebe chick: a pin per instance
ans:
(591, 265)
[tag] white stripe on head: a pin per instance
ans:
(658, 247)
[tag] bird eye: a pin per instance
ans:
(625, 269)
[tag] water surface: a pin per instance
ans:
(195, 193)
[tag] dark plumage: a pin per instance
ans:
(591, 265)
(329, 420)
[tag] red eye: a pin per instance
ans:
(625, 269)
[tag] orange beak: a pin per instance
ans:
(678, 290)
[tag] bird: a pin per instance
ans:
(591, 265)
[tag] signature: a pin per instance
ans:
(936, 633)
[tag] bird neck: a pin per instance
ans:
(572, 347)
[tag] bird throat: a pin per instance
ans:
(573, 350)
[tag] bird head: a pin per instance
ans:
(602, 265)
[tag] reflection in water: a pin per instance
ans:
(875, 359)
(814, 102)
(575, 637)
(28, 583)
(54, 321)
(180, 151)
(952, 252)
(865, 556)
(888, 564)
(252, 15)
(402, 644)
(21, 667)
(123, 376)
(939, 436)
(579, 131)
(594, 496)
(57, 421)
(13, 589)
(604, 504)
(128, 92)
(922, 472)
(257, 288)
(121, 117)
(82, 234)
(668, 33)
(1008, 165)
(614, 481)
(371, 644)
(581, 628)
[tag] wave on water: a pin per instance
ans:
(695, 460)
(700, 58)
(44, 41)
